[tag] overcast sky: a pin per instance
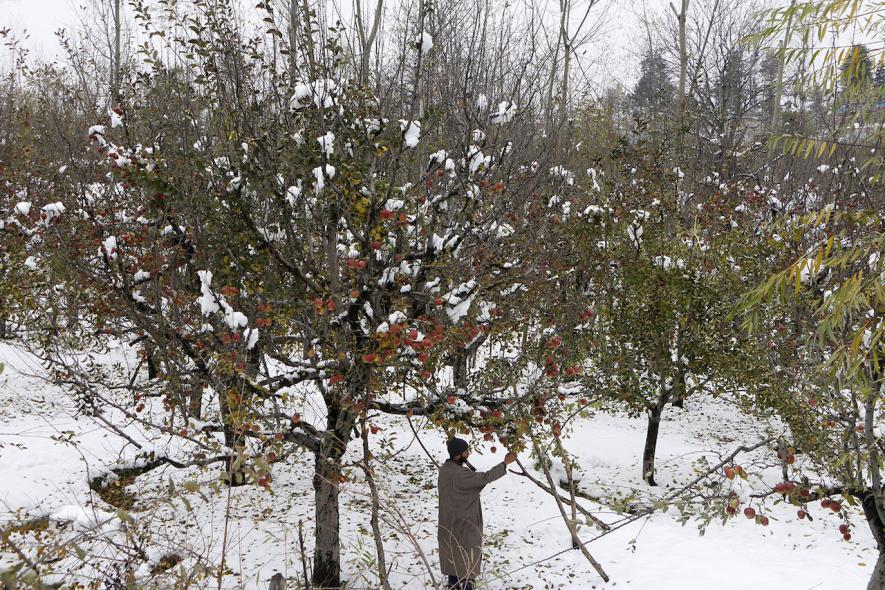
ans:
(41, 18)
(612, 56)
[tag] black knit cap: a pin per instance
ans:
(456, 446)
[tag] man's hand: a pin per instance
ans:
(509, 458)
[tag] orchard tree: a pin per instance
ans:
(663, 278)
(830, 300)
(253, 236)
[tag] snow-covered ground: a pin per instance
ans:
(47, 455)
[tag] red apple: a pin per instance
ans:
(801, 514)
(749, 512)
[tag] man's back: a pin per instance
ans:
(460, 517)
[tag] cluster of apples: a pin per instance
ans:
(732, 507)
(788, 488)
(734, 470)
(789, 457)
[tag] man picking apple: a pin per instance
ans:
(460, 514)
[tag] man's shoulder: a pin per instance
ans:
(450, 469)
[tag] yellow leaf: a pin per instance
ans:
(829, 246)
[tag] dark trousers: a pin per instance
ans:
(456, 584)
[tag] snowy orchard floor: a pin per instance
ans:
(46, 456)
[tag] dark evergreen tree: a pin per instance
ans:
(857, 67)
(653, 90)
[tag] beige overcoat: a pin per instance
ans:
(460, 517)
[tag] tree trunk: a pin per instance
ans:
(565, 8)
(651, 439)
(3, 328)
(115, 66)
(233, 438)
(293, 41)
(868, 501)
(459, 369)
(683, 55)
(327, 477)
(151, 365)
(679, 394)
(327, 551)
(877, 580)
(195, 403)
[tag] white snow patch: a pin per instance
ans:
(425, 42)
(411, 132)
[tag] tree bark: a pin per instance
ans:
(679, 394)
(459, 369)
(115, 67)
(233, 438)
(326, 479)
(683, 54)
(327, 550)
(651, 439)
(868, 501)
(367, 41)
(293, 41)
(877, 580)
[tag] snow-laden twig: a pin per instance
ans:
(728, 459)
(559, 504)
(550, 491)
